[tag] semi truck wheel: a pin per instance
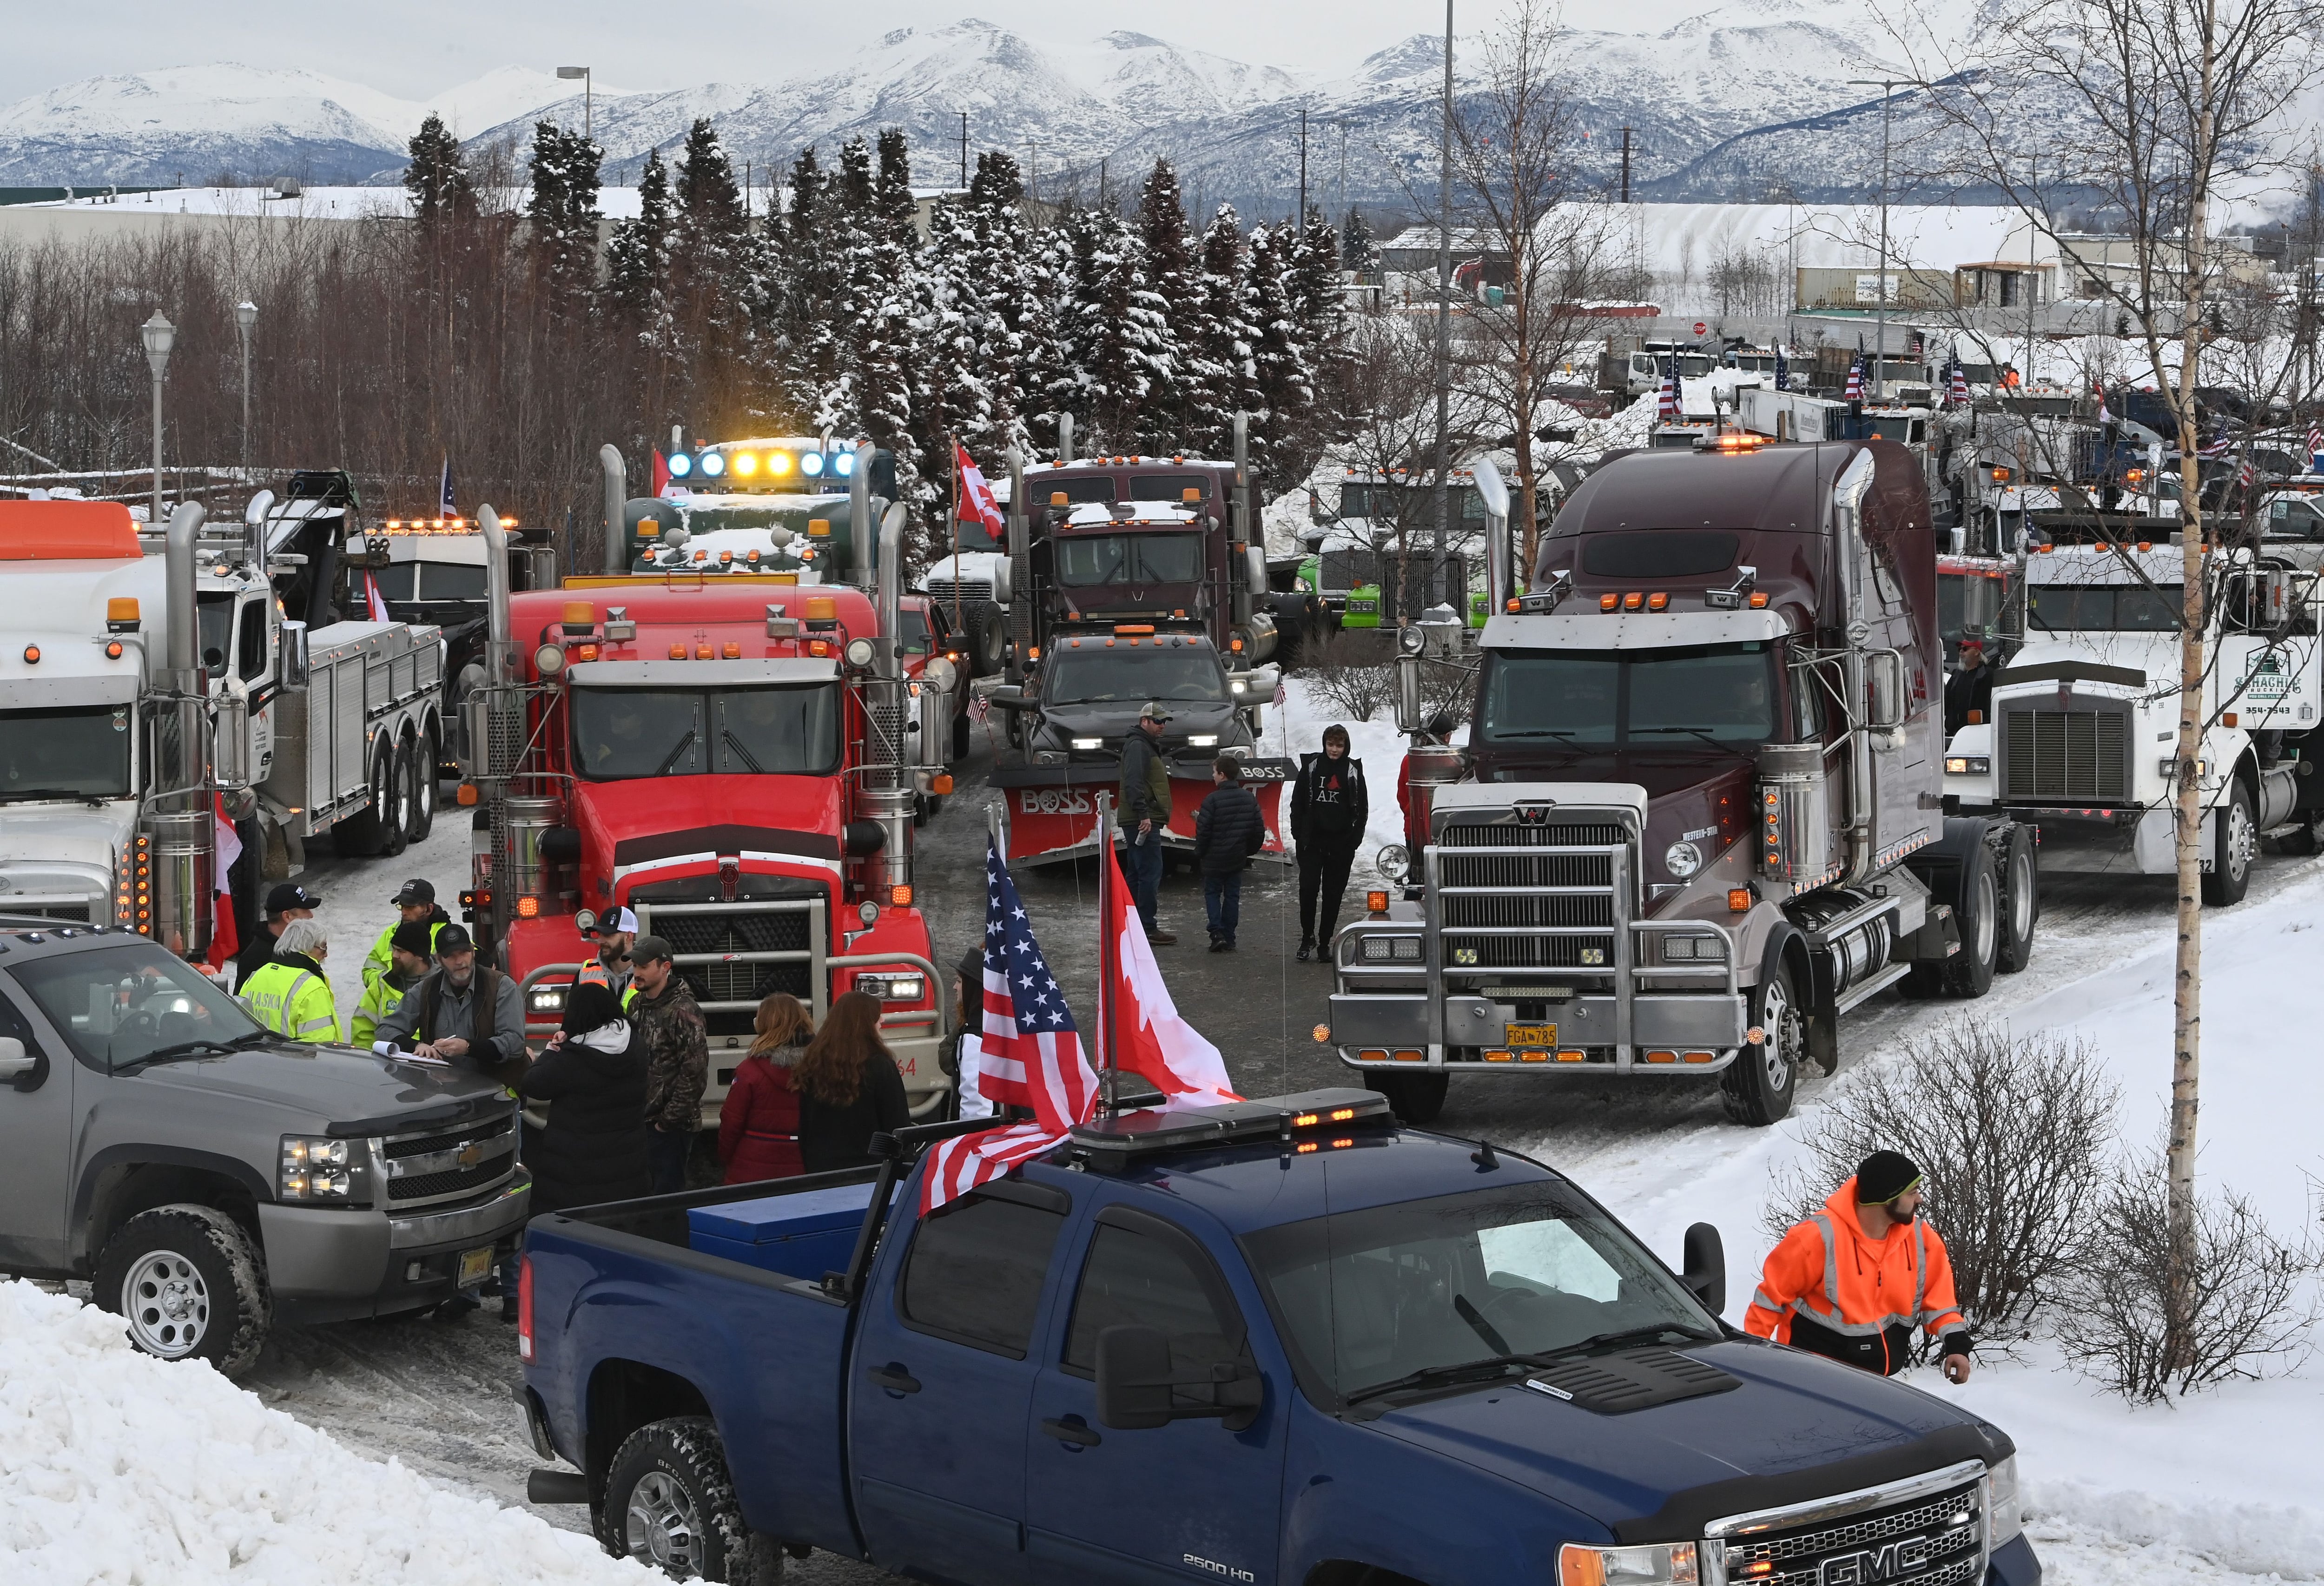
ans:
(363, 833)
(2021, 901)
(1759, 1085)
(670, 1503)
(419, 758)
(397, 821)
(188, 1282)
(960, 737)
(2235, 841)
(988, 630)
(1413, 1098)
(1976, 906)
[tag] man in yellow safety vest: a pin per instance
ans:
(617, 930)
(415, 903)
(411, 945)
(290, 995)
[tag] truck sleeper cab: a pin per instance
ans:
(1344, 1349)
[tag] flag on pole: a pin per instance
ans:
(446, 505)
(1956, 385)
(1855, 392)
(2104, 415)
(2315, 446)
(2247, 474)
(225, 937)
(1783, 371)
(1032, 1050)
(1668, 406)
(374, 601)
(1148, 1036)
(2220, 444)
(977, 503)
(660, 472)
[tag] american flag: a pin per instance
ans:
(1783, 371)
(1855, 392)
(1668, 407)
(2247, 474)
(2315, 445)
(2220, 444)
(447, 506)
(1956, 385)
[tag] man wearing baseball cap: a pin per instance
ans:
(1144, 810)
(1854, 1280)
(1969, 688)
(677, 1060)
(416, 902)
(615, 930)
(412, 946)
(462, 1011)
(288, 902)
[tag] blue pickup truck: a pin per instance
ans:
(1286, 1340)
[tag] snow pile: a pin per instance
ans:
(117, 1467)
(2222, 1481)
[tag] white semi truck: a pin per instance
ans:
(2081, 737)
(152, 677)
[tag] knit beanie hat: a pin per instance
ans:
(1884, 1175)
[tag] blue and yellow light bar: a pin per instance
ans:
(783, 465)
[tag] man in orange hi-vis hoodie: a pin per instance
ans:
(1855, 1279)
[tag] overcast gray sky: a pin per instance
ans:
(412, 48)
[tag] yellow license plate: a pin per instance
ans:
(476, 1265)
(1529, 1035)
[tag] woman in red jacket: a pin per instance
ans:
(758, 1124)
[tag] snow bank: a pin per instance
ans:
(119, 1470)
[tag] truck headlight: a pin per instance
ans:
(2004, 1510)
(1697, 949)
(1087, 743)
(313, 1169)
(1394, 862)
(1390, 949)
(1202, 741)
(544, 1000)
(1661, 1564)
(1968, 765)
(894, 988)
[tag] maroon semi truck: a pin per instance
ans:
(1700, 816)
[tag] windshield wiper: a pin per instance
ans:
(684, 744)
(55, 793)
(1695, 733)
(1644, 1335)
(735, 744)
(1562, 734)
(200, 1048)
(1429, 1375)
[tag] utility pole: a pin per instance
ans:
(1880, 346)
(1343, 176)
(963, 149)
(246, 315)
(1626, 165)
(588, 96)
(1302, 170)
(1443, 488)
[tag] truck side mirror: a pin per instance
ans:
(1008, 696)
(16, 1062)
(1705, 1271)
(1885, 672)
(294, 654)
(1133, 1377)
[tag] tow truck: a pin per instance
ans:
(732, 757)
(1698, 819)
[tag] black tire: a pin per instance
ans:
(1413, 1098)
(670, 1503)
(1758, 1086)
(1977, 907)
(987, 631)
(191, 1285)
(2021, 901)
(420, 758)
(2235, 841)
(960, 737)
(393, 830)
(364, 834)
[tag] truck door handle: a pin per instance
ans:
(894, 1379)
(1072, 1429)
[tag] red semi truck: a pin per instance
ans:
(734, 759)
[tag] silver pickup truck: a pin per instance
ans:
(209, 1178)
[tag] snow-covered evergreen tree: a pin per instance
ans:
(1317, 306)
(809, 275)
(1227, 338)
(637, 259)
(437, 179)
(1286, 391)
(1359, 248)
(1019, 332)
(561, 210)
(1168, 260)
(1114, 328)
(879, 324)
(853, 185)
(706, 233)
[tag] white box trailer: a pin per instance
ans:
(362, 733)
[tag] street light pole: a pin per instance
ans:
(158, 333)
(1442, 494)
(1880, 346)
(588, 91)
(246, 315)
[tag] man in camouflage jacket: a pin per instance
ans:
(677, 1060)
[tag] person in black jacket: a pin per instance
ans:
(1228, 830)
(592, 1075)
(288, 902)
(849, 1087)
(1329, 806)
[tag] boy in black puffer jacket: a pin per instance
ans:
(1228, 830)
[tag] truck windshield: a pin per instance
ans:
(1724, 692)
(1129, 558)
(1129, 677)
(1369, 1298)
(67, 752)
(620, 733)
(133, 1004)
(2103, 608)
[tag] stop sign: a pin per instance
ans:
(1700, 328)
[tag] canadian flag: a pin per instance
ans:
(660, 472)
(1148, 1036)
(226, 940)
(375, 602)
(977, 501)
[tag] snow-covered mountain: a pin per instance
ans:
(1687, 78)
(191, 123)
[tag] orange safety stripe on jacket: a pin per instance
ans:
(1826, 1270)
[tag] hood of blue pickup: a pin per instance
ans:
(1798, 1426)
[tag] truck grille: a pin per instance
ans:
(967, 591)
(445, 1177)
(422, 1144)
(2076, 754)
(1493, 901)
(760, 931)
(431, 1187)
(1931, 1542)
